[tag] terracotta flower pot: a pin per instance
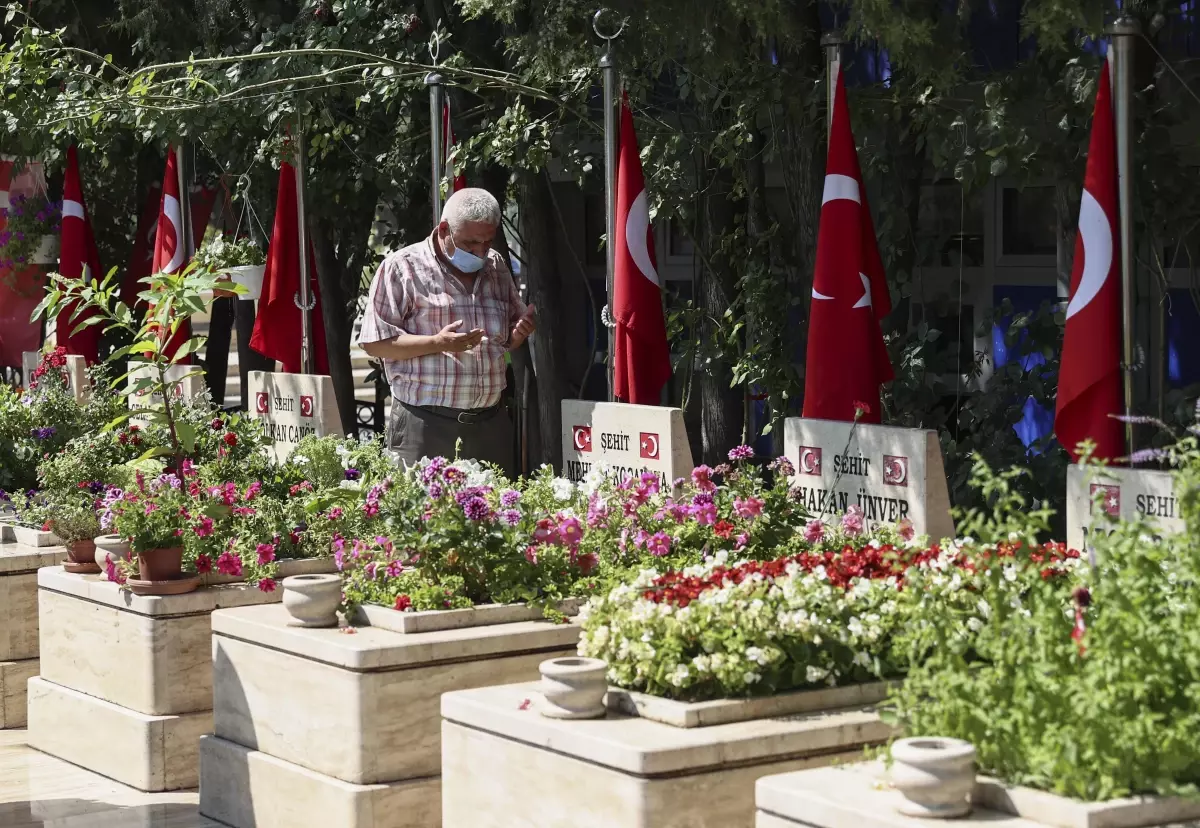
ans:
(160, 564)
(81, 557)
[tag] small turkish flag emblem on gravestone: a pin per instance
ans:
(648, 443)
(582, 435)
(262, 402)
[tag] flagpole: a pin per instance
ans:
(185, 203)
(1124, 31)
(608, 67)
(831, 42)
(434, 81)
(304, 299)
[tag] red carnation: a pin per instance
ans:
(230, 439)
(403, 602)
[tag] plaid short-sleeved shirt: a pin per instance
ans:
(415, 292)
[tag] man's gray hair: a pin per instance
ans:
(471, 204)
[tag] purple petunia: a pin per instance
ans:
(510, 498)
(511, 516)
(741, 453)
(353, 474)
(43, 433)
(476, 508)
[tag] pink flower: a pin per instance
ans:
(253, 489)
(266, 584)
(748, 508)
(531, 554)
(229, 564)
(702, 478)
(853, 521)
(266, 553)
(371, 509)
(742, 540)
(659, 544)
(587, 563)
(907, 530)
(704, 513)
(570, 531)
(814, 530)
(650, 483)
(203, 564)
(545, 532)
(335, 513)
(204, 528)
(394, 569)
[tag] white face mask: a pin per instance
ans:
(465, 260)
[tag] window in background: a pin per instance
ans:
(1028, 222)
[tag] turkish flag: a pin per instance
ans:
(847, 359)
(77, 251)
(448, 143)
(641, 356)
(170, 250)
(1089, 380)
(277, 325)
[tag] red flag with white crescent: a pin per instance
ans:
(1089, 380)
(847, 359)
(77, 254)
(448, 143)
(170, 253)
(277, 326)
(641, 355)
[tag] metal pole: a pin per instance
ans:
(304, 297)
(1123, 32)
(434, 81)
(831, 42)
(608, 67)
(185, 204)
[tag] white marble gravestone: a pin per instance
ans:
(625, 440)
(293, 406)
(1100, 494)
(891, 473)
(188, 379)
(77, 379)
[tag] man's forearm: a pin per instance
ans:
(405, 346)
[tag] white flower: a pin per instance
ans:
(299, 459)
(679, 675)
(862, 659)
(756, 655)
(750, 677)
(1010, 573)
(855, 626)
(814, 674)
(985, 609)
(592, 480)
(350, 484)
(702, 663)
(974, 624)
(563, 489)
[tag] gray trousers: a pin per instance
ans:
(414, 433)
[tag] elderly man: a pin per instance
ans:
(442, 314)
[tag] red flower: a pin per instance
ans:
(723, 529)
(217, 424)
(403, 602)
(860, 409)
(267, 584)
(203, 564)
(230, 439)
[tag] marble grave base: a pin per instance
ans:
(126, 680)
(19, 564)
(506, 766)
(351, 737)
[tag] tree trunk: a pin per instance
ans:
(722, 410)
(337, 322)
(542, 277)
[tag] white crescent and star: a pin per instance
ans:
(807, 461)
(582, 438)
(1095, 232)
(651, 439)
(175, 216)
(898, 471)
(844, 188)
(637, 236)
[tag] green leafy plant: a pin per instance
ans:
(222, 253)
(69, 513)
(29, 219)
(171, 300)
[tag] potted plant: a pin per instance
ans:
(153, 516)
(71, 516)
(30, 235)
(241, 260)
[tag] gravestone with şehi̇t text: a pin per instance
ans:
(1100, 495)
(77, 378)
(185, 381)
(624, 440)
(890, 473)
(293, 406)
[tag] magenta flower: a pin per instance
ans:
(570, 531)
(476, 508)
(510, 498)
(748, 508)
(741, 453)
(511, 517)
(814, 530)
(659, 544)
(267, 584)
(702, 478)
(204, 528)
(394, 569)
(229, 564)
(266, 553)
(853, 521)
